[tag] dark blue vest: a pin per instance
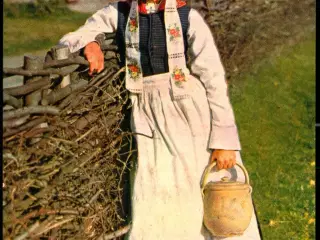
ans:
(153, 49)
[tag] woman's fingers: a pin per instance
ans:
(93, 65)
(96, 64)
(95, 57)
(101, 63)
(226, 163)
(219, 165)
(225, 159)
(230, 164)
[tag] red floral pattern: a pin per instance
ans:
(178, 76)
(174, 32)
(143, 9)
(133, 26)
(134, 71)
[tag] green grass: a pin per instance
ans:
(275, 111)
(26, 33)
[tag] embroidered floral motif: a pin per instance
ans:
(133, 26)
(178, 76)
(134, 70)
(151, 6)
(174, 31)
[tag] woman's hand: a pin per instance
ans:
(225, 158)
(95, 57)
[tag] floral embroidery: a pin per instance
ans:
(174, 32)
(178, 76)
(160, 3)
(133, 26)
(134, 70)
(151, 6)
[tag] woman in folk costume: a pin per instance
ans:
(182, 114)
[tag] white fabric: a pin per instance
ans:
(175, 49)
(206, 65)
(166, 196)
(103, 21)
(133, 64)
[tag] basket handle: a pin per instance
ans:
(211, 166)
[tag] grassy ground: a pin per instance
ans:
(26, 33)
(274, 107)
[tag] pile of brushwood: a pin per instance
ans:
(66, 143)
(63, 147)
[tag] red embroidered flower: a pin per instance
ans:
(133, 26)
(134, 71)
(133, 22)
(178, 76)
(174, 32)
(133, 68)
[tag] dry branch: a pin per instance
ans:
(28, 88)
(115, 234)
(66, 62)
(12, 101)
(12, 123)
(82, 122)
(29, 231)
(107, 47)
(30, 110)
(59, 94)
(110, 55)
(24, 127)
(109, 36)
(36, 131)
(8, 72)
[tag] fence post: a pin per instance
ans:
(33, 99)
(60, 53)
(32, 63)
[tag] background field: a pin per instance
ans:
(28, 29)
(275, 111)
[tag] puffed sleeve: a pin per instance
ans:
(206, 65)
(103, 21)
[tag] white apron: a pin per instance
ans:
(172, 144)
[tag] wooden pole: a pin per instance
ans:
(32, 63)
(60, 53)
(34, 98)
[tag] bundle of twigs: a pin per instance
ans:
(62, 168)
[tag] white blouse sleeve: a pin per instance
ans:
(206, 66)
(103, 21)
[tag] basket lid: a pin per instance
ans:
(226, 183)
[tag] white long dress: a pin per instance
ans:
(175, 137)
